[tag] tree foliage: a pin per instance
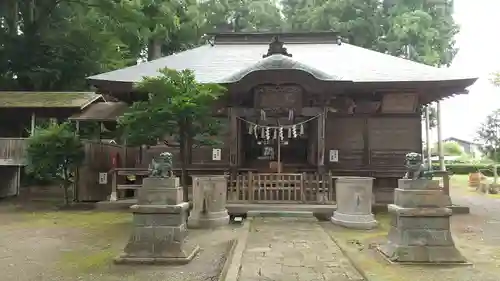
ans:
(415, 29)
(54, 153)
(496, 79)
(53, 45)
(177, 106)
(489, 135)
(450, 148)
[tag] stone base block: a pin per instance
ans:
(354, 221)
(418, 184)
(421, 254)
(420, 198)
(182, 257)
(210, 220)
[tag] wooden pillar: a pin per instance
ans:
(428, 137)
(442, 166)
(33, 123)
(321, 142)
(233, 142)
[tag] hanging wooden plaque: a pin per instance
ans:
(277, 96)
(399, 103)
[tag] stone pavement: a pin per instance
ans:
(293, 249)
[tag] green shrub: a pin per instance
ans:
(465, 169)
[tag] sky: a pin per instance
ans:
(479, 55)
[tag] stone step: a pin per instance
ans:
(272, 213)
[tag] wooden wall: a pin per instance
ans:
(374, 143)
(98, 159)
(9, 181)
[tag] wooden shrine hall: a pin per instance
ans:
(301, 109)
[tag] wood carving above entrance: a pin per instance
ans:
(278, 96)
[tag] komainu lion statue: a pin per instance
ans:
(415, 169)
(161, 166)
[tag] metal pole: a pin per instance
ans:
(442, 166)
(428, 138)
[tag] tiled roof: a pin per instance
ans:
(47, 99)
(101, 111)
(227, 63)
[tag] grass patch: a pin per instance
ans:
(364, 235)
(87, 261)
(74, 219)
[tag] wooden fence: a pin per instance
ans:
(282, 188)
(12, 151)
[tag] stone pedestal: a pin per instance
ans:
(354, 203)
(420, 225)
(209, 202)
(159, 233)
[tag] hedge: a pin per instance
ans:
(465, 169)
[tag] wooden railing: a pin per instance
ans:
(12, 151)
(281, 188)
(118, 181)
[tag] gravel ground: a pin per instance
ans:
(80, 245)
(476, 235)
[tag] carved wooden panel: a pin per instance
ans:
(278, 96)
(394, 133)
(399, 103)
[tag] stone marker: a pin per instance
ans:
(420, 224)
(354, 203)
(209, 202)
(159, 218)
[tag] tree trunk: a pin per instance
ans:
(66, 185)
(183, 153)
(66, 194)
(154, 49)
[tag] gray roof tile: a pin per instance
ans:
(227, 63)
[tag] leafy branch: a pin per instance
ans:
(176, 106)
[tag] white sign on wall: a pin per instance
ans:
(334, 155)
(216, 154)
(103, 178)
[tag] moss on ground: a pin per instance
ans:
(75, 219)
(103, 234)
(82, 261)
(360, 247)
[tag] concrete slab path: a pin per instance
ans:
(293, 249)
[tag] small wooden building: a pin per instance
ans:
(19, 114)
(302, 108)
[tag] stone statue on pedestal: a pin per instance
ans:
(159, 232)
(162, 165)
(420, 220)
(415, 169)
